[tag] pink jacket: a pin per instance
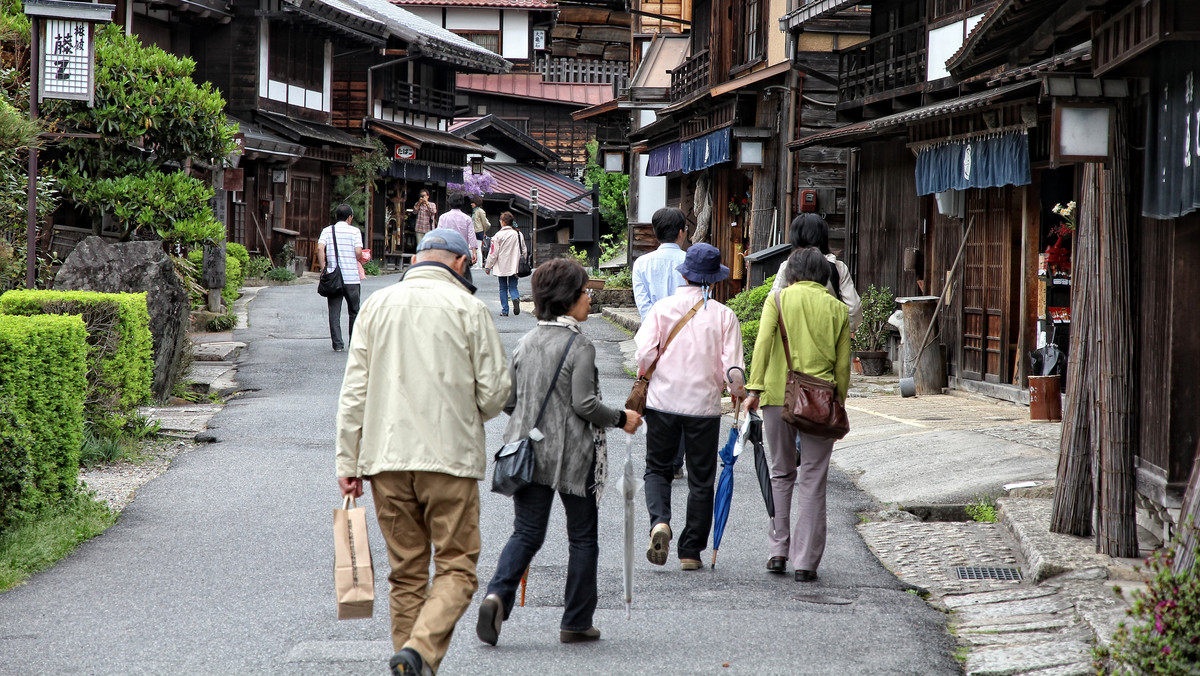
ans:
(505, 253)
(690, 377)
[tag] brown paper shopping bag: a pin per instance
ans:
(353, 574)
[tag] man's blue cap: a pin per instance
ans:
(444, 238)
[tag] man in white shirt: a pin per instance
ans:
(344, 256)
(654, 274)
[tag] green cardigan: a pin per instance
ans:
(818, 327)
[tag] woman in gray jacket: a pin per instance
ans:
(565, 457)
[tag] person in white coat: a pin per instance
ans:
(508, 246)
(812, 230)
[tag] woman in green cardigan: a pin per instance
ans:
(818, 329)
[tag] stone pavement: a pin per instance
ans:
(930, 456)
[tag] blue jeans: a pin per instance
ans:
(508, 289)
(532, 514)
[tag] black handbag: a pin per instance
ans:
(331, 280)
(515, 460)
(524, 269)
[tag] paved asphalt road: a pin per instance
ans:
(223, 565)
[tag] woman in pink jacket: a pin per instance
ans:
(508, 246)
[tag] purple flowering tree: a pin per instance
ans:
(474, 184)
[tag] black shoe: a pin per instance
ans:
(590, 634)
(517, 307)
(408, 662)
(805, 576)
(491, 616)
(503, 314)
(679, 473)
(339, 349)
(777, 564)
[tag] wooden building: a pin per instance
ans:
(517, 30)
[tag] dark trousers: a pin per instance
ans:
(532, 514)
(351, 293)
(700, 438)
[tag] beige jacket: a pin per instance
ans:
(508, 246)
(425, 369)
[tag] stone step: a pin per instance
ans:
(1019, 659)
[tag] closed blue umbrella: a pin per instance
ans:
(723, 497)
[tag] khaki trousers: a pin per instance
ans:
(805, 545)
(417, 510)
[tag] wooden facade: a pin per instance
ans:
(549, 123)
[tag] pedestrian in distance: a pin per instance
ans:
(818, 331)
(340, 246)
(503, 260)
(424, 371)
(426, 215)
(570, 454)
(683, 399)
(811, 230)
(457, 220)
(656, 274)
(482, 225)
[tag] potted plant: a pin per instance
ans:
(869, 340)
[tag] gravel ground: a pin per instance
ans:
(117, 483)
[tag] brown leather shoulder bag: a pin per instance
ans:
(810, 404)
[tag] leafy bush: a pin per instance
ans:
(983, 509)
(878, 304)
(747, 305)
(1165, 636)
(614, 190)
(280, 275)
(120, 363)
(239, 252)
(234, 275)
(43, 378)
(258, 266)
(620, 280)
(226, 322)
(175, 205)
(371, 268)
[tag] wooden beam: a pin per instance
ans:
(1065, 19)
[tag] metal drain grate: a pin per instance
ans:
(987, 573)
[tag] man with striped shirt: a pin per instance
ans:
(344, 256)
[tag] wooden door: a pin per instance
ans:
(987, 285)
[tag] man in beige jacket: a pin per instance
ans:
(425, 369)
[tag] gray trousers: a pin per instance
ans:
(803, 542)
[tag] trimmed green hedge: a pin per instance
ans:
(239, 252)
(43, 367)
(748, 306)
(120, 348)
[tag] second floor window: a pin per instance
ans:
(489, 40)
(296, 59)
(750, 39)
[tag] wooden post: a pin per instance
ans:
(35, 60)
(1189, 521)
(763, 200)
(923, 361)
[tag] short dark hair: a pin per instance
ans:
(667, 222)
(807, 265)
(557, 284)
(810, 230)
(507, 218)
(343, 212)
(423, 191)
(456, 200)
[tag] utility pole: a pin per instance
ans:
(533, 206)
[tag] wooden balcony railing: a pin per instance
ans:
(572, 69)
(1139, 27)
(407, 96)
(690, 77)
(882, 64)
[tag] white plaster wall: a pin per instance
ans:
(431, 14)
(514, 41)
(943, 43)
(472, 19)
(652, 190)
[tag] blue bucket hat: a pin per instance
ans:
(702, 264)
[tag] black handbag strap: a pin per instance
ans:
(554, 380)
(787, 353)
(337, 260)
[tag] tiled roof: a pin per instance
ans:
(432, 39)
(420, 136)
(301, 130)
(553, 189)
(531, 86)
(506, 4)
